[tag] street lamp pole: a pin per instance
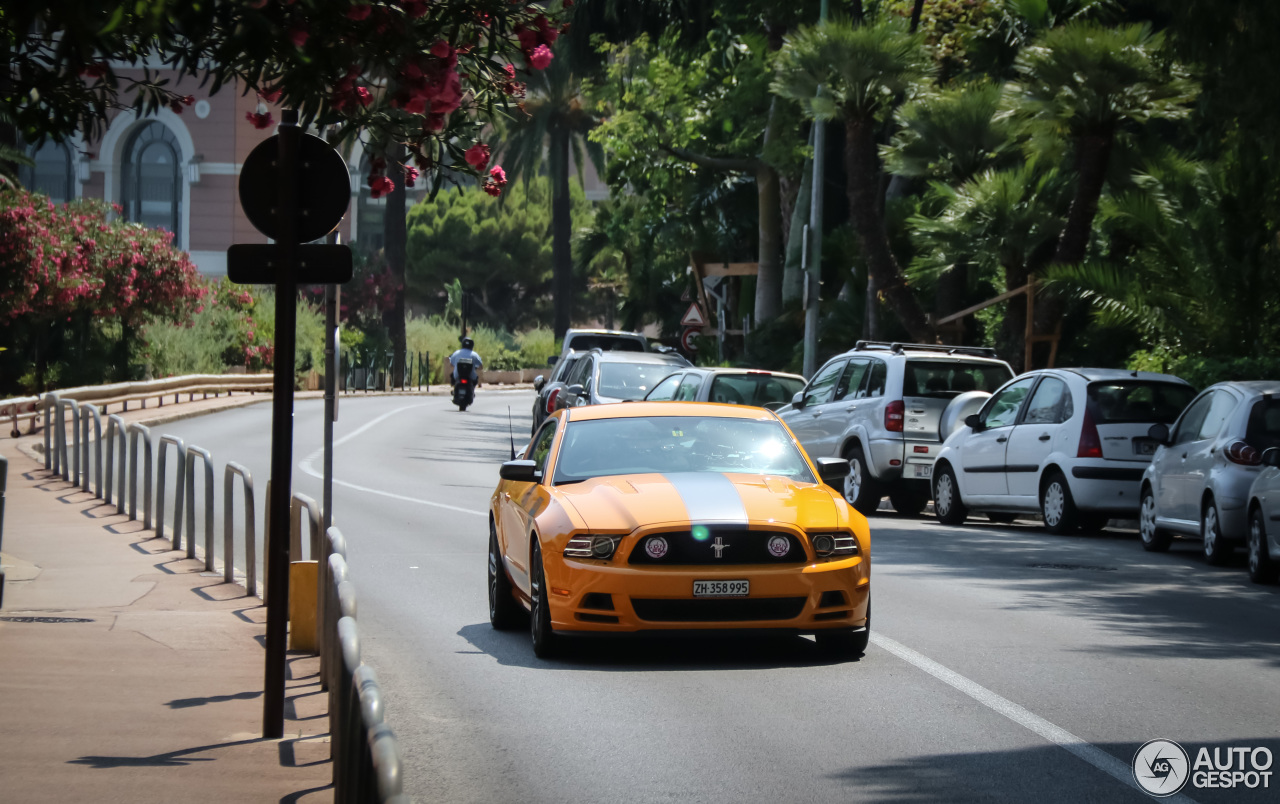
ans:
(813, 276)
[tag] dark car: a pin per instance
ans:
(601, 377)
(549, 388)
(732, 386)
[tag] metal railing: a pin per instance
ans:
(181, 448)
(194, 452)
(116, 436)
(228, 527)
(4, 482)
(84, 441)
(373, 369)
(141, 431)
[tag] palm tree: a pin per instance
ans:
(550, 131)
(860, 69)
(1085, 82)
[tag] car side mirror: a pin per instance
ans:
(551, 361)
(538, 382)
(833, 471)
(575, 390)
(797, 401)
(1271, 456)
(1159, 433)
(973, 421)
(521, 471)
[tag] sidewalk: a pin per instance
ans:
(127, 674)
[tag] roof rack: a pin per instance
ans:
(899, 348)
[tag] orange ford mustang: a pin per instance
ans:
(676, 516)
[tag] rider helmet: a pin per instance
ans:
(467, 343)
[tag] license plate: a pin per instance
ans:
(721, 588)
(921, 470)
(1144, 446)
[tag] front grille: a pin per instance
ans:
(717, 546)
(697, 611)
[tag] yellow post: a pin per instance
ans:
(302, 605)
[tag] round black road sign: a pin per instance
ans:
(324, 188)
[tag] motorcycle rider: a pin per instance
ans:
(467, 352)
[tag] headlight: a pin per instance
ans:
(826, 545)
(590, 546)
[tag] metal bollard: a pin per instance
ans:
(228, 527)
(90, 411)
(368, 700)
(137, 431)
(340, 717)
(335, 544)
(4, 482)
(177, 497)
(192, 453)
(50, 400)
(116, 434)
(70, 463)
(384, 757)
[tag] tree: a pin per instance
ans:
(550, 130)
(860, 69)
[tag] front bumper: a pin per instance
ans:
(607, 597)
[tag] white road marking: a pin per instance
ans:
(1088, 752)
(305, 466)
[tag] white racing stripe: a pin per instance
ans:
(305, 466)
(1088, 752)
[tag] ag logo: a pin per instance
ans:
(1161, 768)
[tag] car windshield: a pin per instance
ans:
(642, 445)
(944, 379)
(630, 380)
(1138, 401)
(761, 390)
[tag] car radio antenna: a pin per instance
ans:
(511, 432)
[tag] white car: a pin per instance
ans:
(1069, 444)
(1264, 512)
(1199, 480)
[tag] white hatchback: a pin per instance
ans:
(1069, 444)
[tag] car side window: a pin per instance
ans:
(581, 373)
(1002, 409)
(1193, 419)
(823, 385)
(665, 391)
(850, 386)
(1050, 404)
(542, 445)
(1223, 405)
(688, 388)
(876, 378)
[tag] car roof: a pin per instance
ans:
(633, 335)
(1103, 374)
(717, 370)
(895, 348)
(633, 410)
(643, 357)
(1253, 386)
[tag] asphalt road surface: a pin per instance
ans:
(1006, 664)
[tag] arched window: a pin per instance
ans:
(152, 178)
(51, 174)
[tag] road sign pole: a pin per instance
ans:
(330, 393)
(282, 430)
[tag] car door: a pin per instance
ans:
(519, 503)
(580, 376)
(1035, 435)
(1200, 455)
(810, 422)
(983, 450)
(688, 390)
(1169, 464)
(665, 391)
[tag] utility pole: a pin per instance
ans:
(813, 273)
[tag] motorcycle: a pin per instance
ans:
(464, 390)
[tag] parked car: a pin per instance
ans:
(761, 389)
(1264, 510)
(887, 408)
(602, 377)
(606, 340)
(1069, 444)
(1199, 479)
(549, 389)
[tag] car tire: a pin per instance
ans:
(1216, 549)
(1001, 517)
(861, 490)
(505, 613)
(545, 642)
(1261, 568)
(845, 644)
(946, 498)
(1056, 505)
(907, 499)
(1154, 540)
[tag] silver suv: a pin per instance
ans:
(887, 408)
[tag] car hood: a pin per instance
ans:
(627, 502)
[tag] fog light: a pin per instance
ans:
(602, 546)
(826, 545)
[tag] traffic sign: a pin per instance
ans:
(693, 317)
(324, 188)
(259, 264)
(686, 339)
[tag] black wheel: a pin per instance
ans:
(1000, 517)
(845, 644)
(1216, 548)
(1154, 540)
(1057, 507)
(1092, 523)
(946, 497)
(504, 612)
(1261, 568)
(462, 407)
(909, 498)
(545, 643)
(861, 489)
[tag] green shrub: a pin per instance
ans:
(1205, 370)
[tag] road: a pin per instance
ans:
(1006, 664)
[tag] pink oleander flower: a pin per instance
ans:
(260, 120)
(540, 58)
(477, 155)
(298, 34)
(441, 49)
(363, 96)
(381, 186)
